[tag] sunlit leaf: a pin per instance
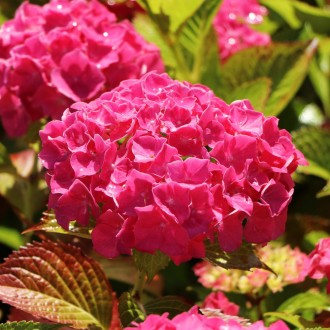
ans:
(295, 320)
(57, 282)
(306, 300)
(150, 264)
(10, 237)
(168, 304)
(286, 65)
(23, 325)
(49, 224)
(130, 310)
(243, 258)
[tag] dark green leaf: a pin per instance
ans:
(23, 325)
(243, 258)
(168, 304)
(286, 65)
(59, 283)
(150, 264)
(130, 310)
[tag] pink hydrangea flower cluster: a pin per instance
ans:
(287, 263)
(233, 26)
(162, 165)
(63, 52)
(317, 265)
(193, 320)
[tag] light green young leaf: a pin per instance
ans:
(23, 325)
(306, 300)
(130, 310)
(286, 65)
(57, 282)
(295, 320)
(243, 258)
(49, 224)
(168, 304)
(150, 264)
(11, 237)
(176, 12)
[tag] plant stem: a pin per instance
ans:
(139, 285)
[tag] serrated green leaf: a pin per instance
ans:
(243, 258)
(10, 237)
(23, 325)
(49, 224)
(256, 91)
(286, 65)
(130, 310)
(314, 143)
(168, 304)
(295, 320)
(57, 282)
(150, 264)
(306, 300)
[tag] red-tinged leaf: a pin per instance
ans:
(57, 282)
(29, 326)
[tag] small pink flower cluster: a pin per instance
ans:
(318, 264)
(62, 52)
(169, 164)
(193, 320)
(287, 263)
(217, 300)
(232, 26)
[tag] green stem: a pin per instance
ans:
(139, 285)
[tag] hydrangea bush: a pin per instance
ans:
(160, 145)
(62, 52)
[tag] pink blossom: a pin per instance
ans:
(62, 52)
(318, 263)
(167, 175)
(193, 320)
(233, 26)
(217, 300)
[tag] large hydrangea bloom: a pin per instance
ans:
(193, 320)
(162, 164)
(63, 52)
(317, 265)
(287, 263)
(233, 26)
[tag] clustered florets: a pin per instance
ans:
(233, 25)
(162, 165)
(288, 264)
(63, 52)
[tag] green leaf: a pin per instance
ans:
(130, 310)
(150, 264)
(295, 320)
(57, 282)
(285, 64)
(168, 304)
(256, 91)
(243, 258)
(176, 12)
(23, 325)
(314, 143)
(49, 224)
(146, 28)
(306, 300)
(10, 237)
